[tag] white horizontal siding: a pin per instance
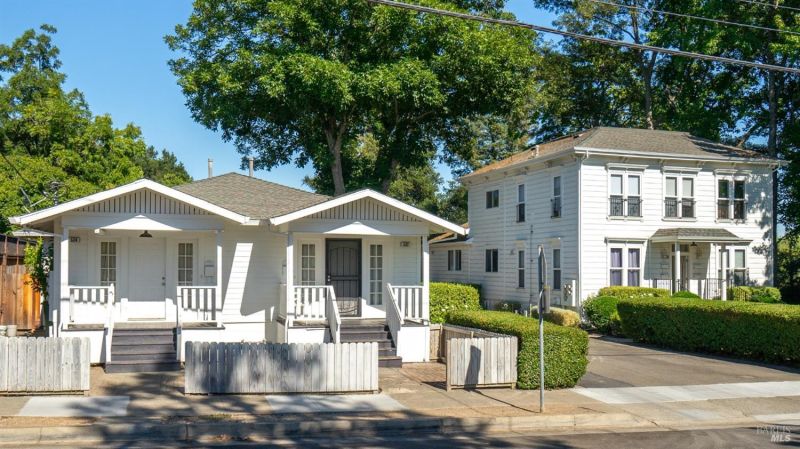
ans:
(439, 272)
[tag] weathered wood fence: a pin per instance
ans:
(19, 303)
(481, 362)
(440, 333)
(43, 365)
(280, 367)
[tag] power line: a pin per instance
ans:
(602, 40)
(689, 16)
(770, 5)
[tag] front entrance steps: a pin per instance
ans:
(143, 347)
(367, 330)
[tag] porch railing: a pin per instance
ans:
(90, 304)
(334, 320)
(310, 302)
(198, 303)
(394, 317)
(411, 301)
(707, 288)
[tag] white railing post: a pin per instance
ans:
(71, 305)
(394, 317)
(179, 307)
(332, 312)
(425, 312)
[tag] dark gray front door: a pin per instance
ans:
(343, 272)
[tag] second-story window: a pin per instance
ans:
(555, 202)
(492, 199)
(731, 201)
(679, 197)
(625, 198)
(521, 203)
(491, 260)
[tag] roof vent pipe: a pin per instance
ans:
(536, 150)
(210, 167)
(250, 165)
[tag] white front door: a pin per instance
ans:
(146, 291)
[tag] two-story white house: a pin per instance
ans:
(615, 206)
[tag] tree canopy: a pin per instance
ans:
(52, 147)
(305, 81)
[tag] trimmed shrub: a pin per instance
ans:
(633, 292)
(565, 348)
(561, 317)
(686, 295)
(448, 297)
(508, 306)
(602, 314)
(768, 332)
(755, 294)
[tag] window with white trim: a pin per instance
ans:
(739, 267)
(491, 261)
(521, 203)
(492, 199)
(108, 263)
(375, 274)
(731, 199)
(308, 264)
(679, 197)
(521, 269)
(625, 266)
(625, 195)
(185, 264)
(556, 269)
(555, 202)
(454, 260)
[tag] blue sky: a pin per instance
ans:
(115, 54)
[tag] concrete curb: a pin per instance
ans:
(263, 431)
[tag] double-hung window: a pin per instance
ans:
(375, 274)
(454, 260)
(491, 260)
(108, 263)
(625, 195)
(555, 202)
(492, 199)
(521, 269)
(308, 264)
(521, 203)
(185, 263)
(556, 269)
(739, 267)
(679, 197)
(731, 199)
(625, 266)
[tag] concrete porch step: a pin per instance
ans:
(142, 349)
(148, 357)
(141, 366)
(390, 362)
(365, 336)
(127, 340)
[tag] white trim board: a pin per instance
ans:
(121, 190)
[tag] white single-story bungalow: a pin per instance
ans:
(142, 268)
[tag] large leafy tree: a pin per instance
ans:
(52, 147)
(304, 80)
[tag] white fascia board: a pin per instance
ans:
(355, 196)
(676, 156)
(122, 190)
(468, 178)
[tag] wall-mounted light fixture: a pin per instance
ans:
(146, 235)
(405, 243)
(74, 239)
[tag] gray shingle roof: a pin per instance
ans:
(630, 139)
(698, 234)
(253, 197)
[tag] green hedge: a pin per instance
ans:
(561, 317)
(633, 292)
(602, 314)
(768, 332)
(565, 348)
(685, 294)
(447, 297)
(507, 306)
(754, 294)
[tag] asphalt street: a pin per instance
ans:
(735, 438)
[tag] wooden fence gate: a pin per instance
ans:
(484, 360)
(19, 303)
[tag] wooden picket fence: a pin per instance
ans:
(481, 362)
(44, 365)
(20, 304)
(280, 367)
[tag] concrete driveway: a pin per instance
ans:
(617, 362)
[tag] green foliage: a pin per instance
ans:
(565, 348)
(788, 269)
(38, 262)
(448, 297)
(51, 145)
(754, 294)
(507, 306)
(684, 294)
(633, 292)
(602, 314)
(768, 332)
(301, 81)
(561, 317)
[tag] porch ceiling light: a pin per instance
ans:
(146, 235)
(694, 244)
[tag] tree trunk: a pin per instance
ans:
(334, 134)
(387, 182)
(648, 90)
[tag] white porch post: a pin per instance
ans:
(218, 286)
(66, 300)
(426, 315)
(289, 279)
(724, 270)
(676, 282)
